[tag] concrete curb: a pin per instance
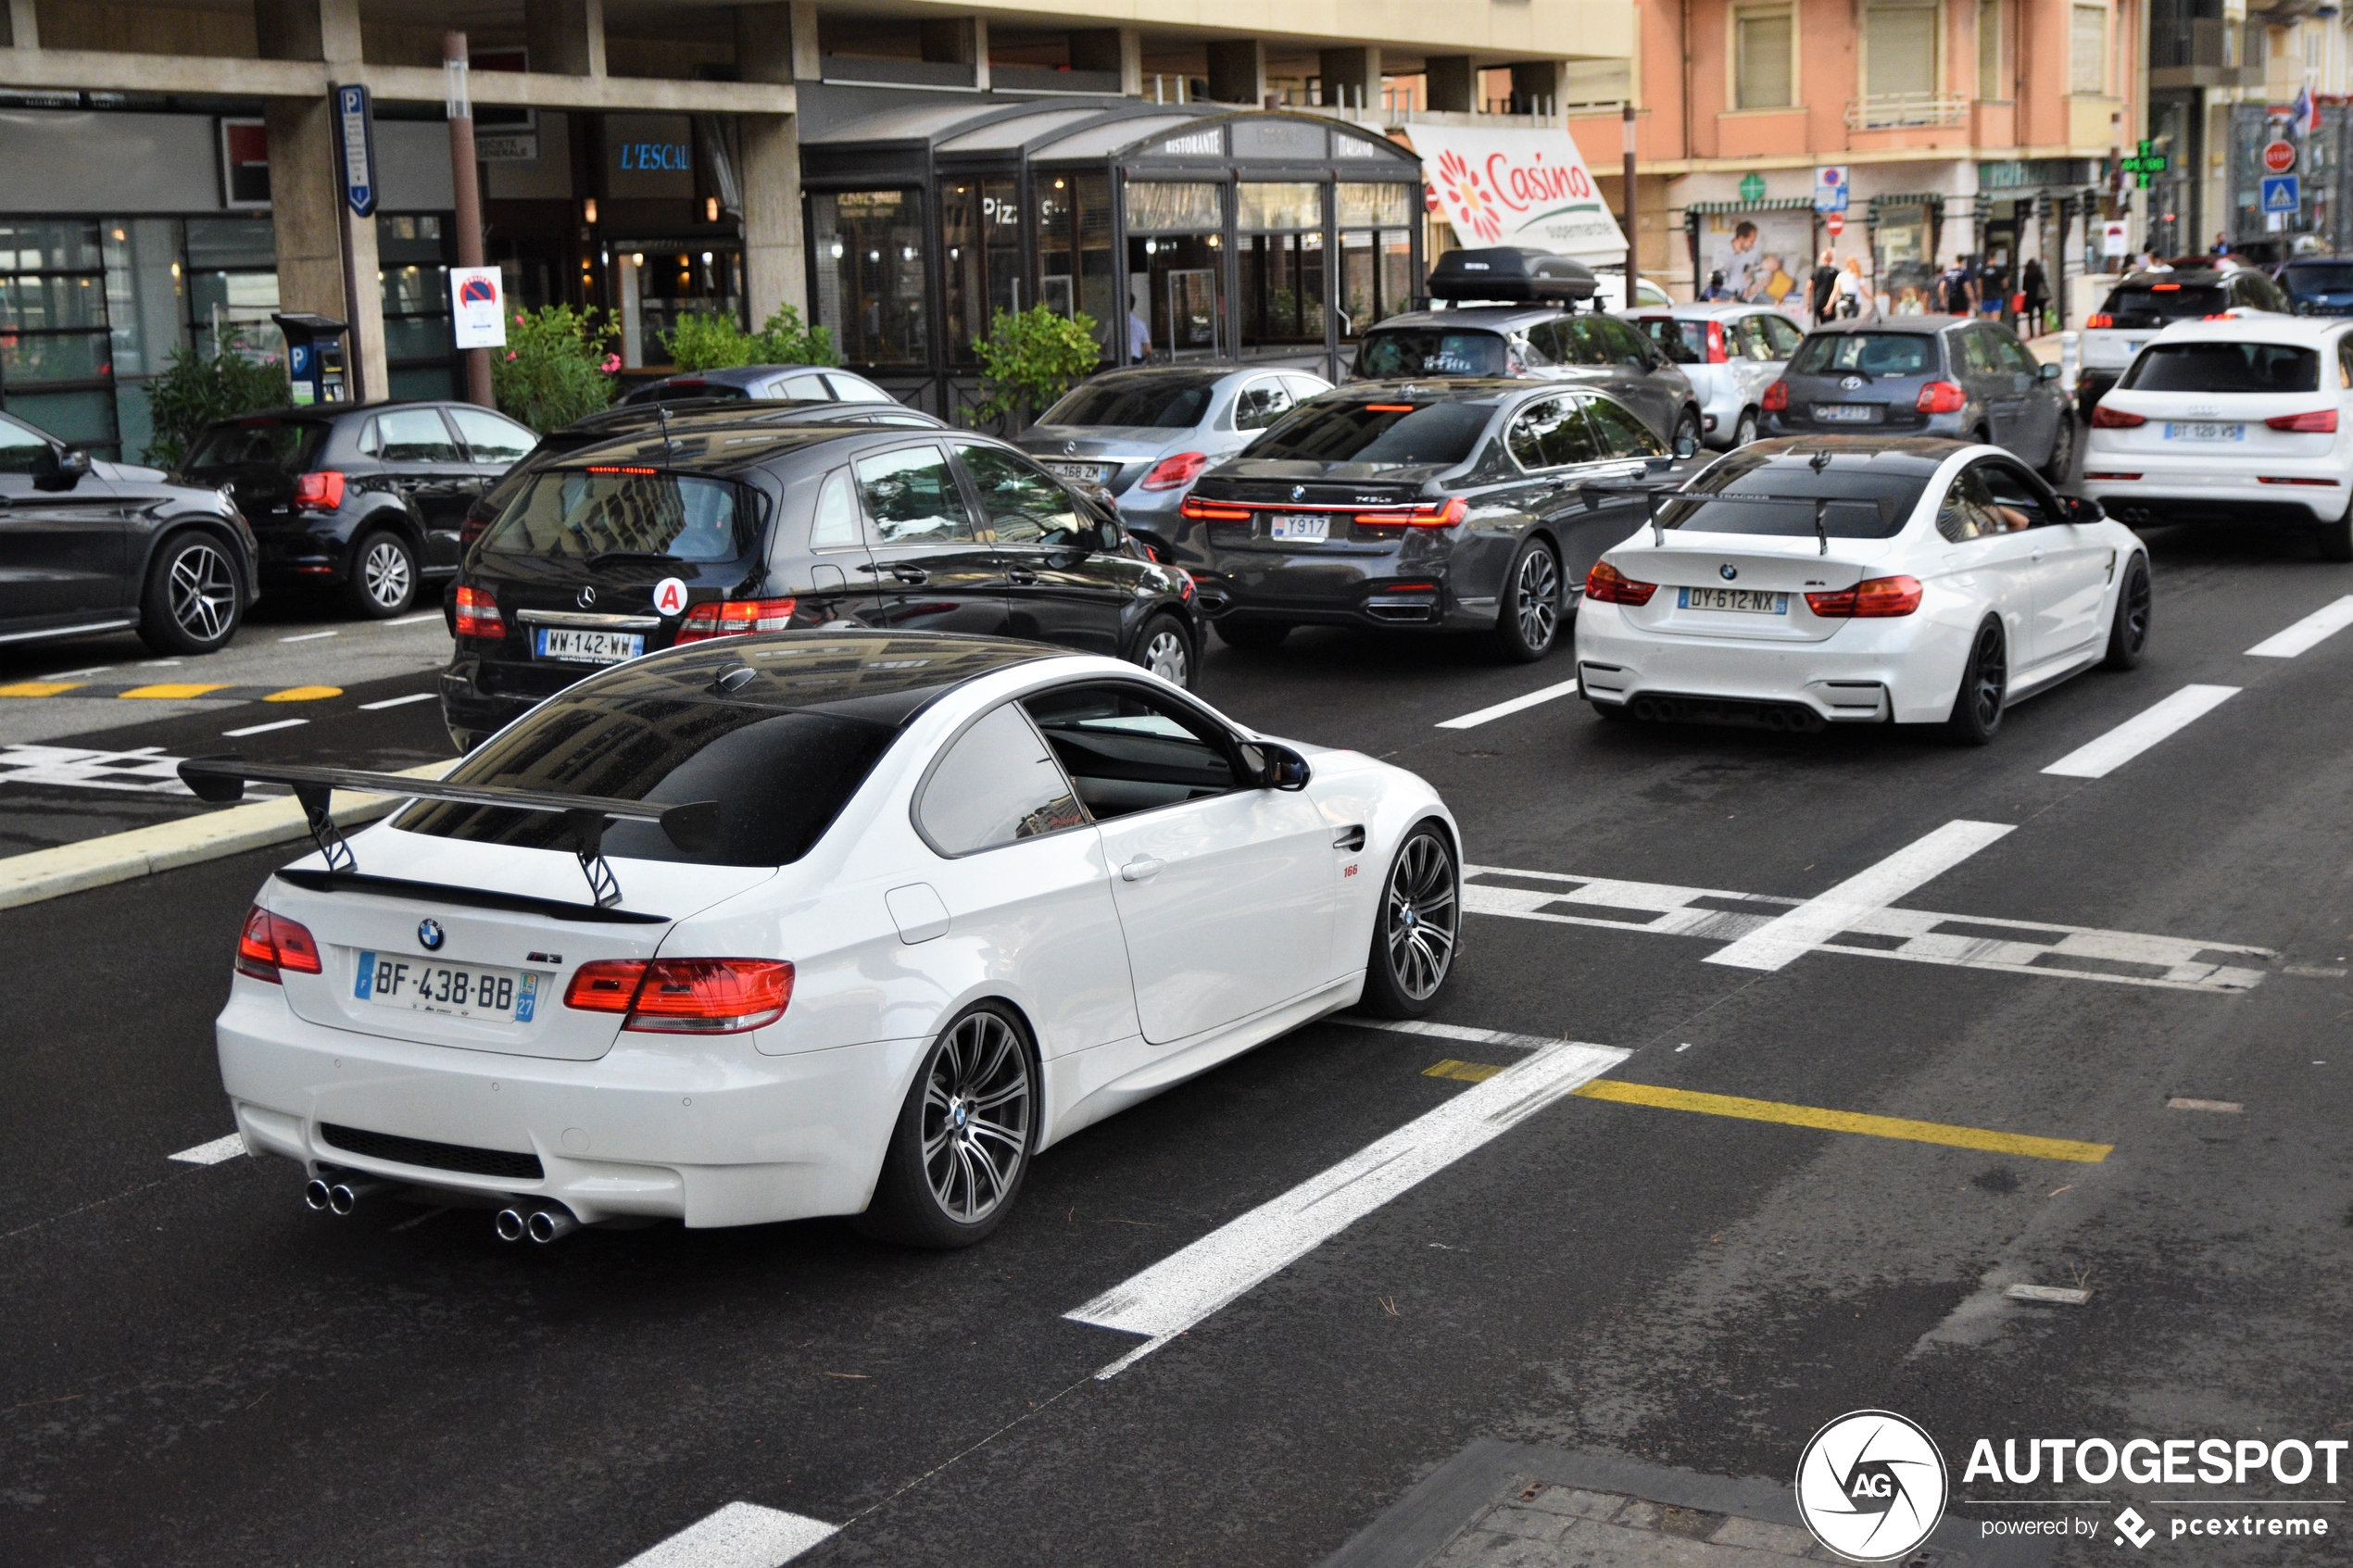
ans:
(94, 863)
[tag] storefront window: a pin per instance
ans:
(1367, 206)
(869, 253)
(1262, 206)
(665, 280)
(419, 350)
(232, 286)
(56, 355)
(144, 313)
(1907, 272)
(1074, 247)
(1375, 276)
(1175, 205)
(980, 221)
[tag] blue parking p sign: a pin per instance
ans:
(2281, 192)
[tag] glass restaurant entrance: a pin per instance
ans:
(1185, 233)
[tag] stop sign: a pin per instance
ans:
(2278, 156)
(1836, 223)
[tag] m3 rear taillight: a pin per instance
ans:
(1606, 584)
(1874, 598)
(736, 618)
(270, 943)
(1941, 398)
(684, 996)
(478, 615)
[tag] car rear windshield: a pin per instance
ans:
(780, 776)
(1866, 501)
(1399, 434)
(2319, 277)
(1685, 342)
(1431, 351)
(1873, 354)
(2224, 367)
(2153, 304)
(576, 514)
(276, 443)
(1171, 402)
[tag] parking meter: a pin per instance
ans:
(315, 358)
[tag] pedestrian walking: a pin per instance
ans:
(2035, 289)
(1855, 301)
(1822, 298)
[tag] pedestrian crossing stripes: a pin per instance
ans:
(169, 691)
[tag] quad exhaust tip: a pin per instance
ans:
(543, 1224)
(322, 1196)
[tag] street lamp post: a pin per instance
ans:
(465, 182)
(1633, 243)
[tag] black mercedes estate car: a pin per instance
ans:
(1457, 504)
(369, 498)
(717, 526)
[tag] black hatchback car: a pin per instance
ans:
(368, 498)
(718, 526)
(1454, 505)
(1926, 375)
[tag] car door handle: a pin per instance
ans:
(913, 576)
(1021, 575)
(1143, 868)
(1350, 838)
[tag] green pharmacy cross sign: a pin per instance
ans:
(1751, 187)
(2143, 165)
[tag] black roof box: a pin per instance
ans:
(1507, 273)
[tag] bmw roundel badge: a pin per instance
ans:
(429, 936)
(1728, 572)
(1299, 492)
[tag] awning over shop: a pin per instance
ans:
(1518, 188)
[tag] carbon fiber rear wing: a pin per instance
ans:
(1654, 491)
(693, 827)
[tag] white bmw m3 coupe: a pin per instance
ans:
(1814, 579)
(812, 923)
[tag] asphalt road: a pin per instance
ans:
(199, 1372)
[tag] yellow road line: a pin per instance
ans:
(172, 689)
(1846, 1122)
(38, 688)
(1468, 1072)
(303, 694)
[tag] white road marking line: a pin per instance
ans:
(1188, 1286)
(70, 674)
(2227, 1107)
(413, 619)
(143, 769)
(398, 701)
(742, 1535)
(2016, 946)
(263, 729)
(1789, 937)
(1472, 720)
(2310, 632)
(2139, 732)
(1455, 1032)
(308, 637)
(213, 1153)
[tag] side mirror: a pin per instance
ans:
(2082, 509)
(1685, 446)
(2047, 373)
(62, 470)
(1281, 768)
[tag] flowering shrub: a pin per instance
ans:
(558, 366)
(199, 388)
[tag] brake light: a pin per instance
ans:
(321, 492)
(2269, 479)
(1205, 511)
(2165, 288)
(1941, 398)
(1446, 515)
(270, 943)
(2096, 321)
(1874, 598)
(1175, 474)
(2321, 421)
(1389, 408)
(1606, 584)
(1776, 398)
(478, 614)
(1715, 354)
(684, 996)
(2106, 418)
(612, 467)
(2113, 476)
(735, 617)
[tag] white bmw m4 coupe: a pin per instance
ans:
(1806, 581)
(811, 923)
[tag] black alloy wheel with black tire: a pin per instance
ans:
(1252, 636)
(2060, 466)
(2335, 539)
(1166, 648)
(2128, 635)
(961, 1144)
(383, 575)
(1985, 680)
(193, 599)
(1745, 430)
(1528, 618)
(1418, 927)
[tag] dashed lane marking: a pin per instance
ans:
(417, 620)
(742, 1535)
(1504, 709)
(1458, 1032)
(2308, 633)
(397, 701)
(213, 1153)
(1788, 937)
(167, 691)
(2020, 1143)
(2015, 947)
(2144, 730)
(1188, 1286)
(307, 637)
(263, 729)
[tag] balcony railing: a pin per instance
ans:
(2208, 49)
(1886, 111)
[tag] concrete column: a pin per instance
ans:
(1352, 77)
(1451, 84)
(1537, 84)
(808, 64)
(24, 25)
(565, 37)
(1109, 49)
(768, 47)
(1238, 71)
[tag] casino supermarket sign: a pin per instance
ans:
(1518, 188)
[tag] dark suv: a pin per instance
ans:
(369, 497)
(719, 526)
(1540, 343)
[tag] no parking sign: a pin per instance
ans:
(478, 306)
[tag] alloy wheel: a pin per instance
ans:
(204, 593)
(384, 573)
(1538, 591)
(1166, 656)
(1992, 678)
(1420, 916)
(2136, 609)
(977, 1115)
(1744, 432)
